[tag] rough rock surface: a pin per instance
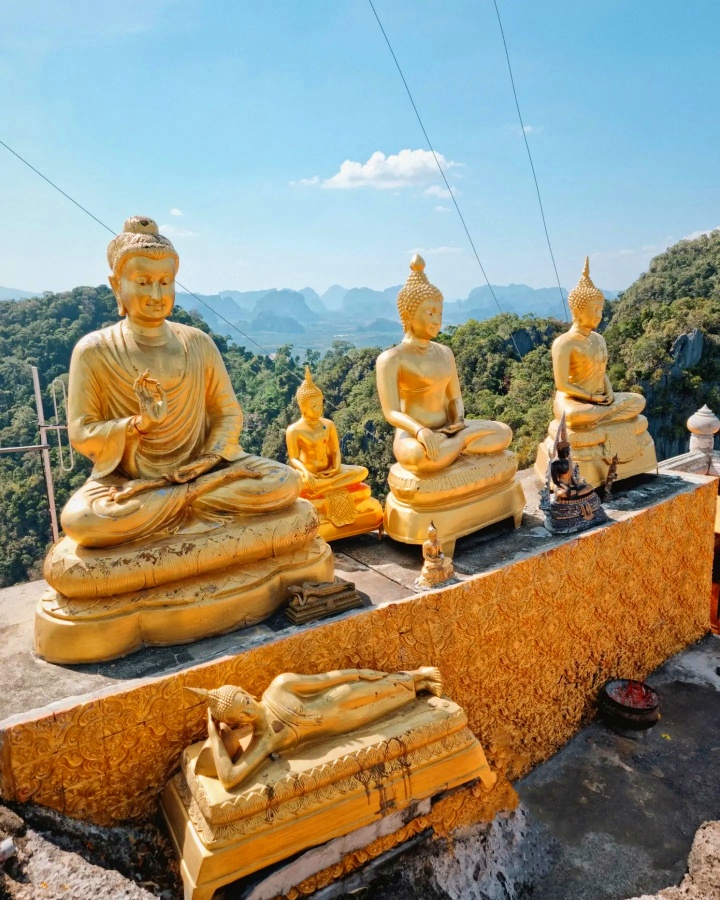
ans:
(702, 881)
(62, 859)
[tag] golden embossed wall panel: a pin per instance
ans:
(523, 649)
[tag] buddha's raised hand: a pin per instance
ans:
(151, 398)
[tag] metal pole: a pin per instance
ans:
(45, 454)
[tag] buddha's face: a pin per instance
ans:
(145, 289)
(242, 709)
(312, 408)
(589, 315)
(427, 321)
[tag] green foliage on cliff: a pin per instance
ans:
(42, 332)
(678, 295)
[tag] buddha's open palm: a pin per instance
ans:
(151, 398)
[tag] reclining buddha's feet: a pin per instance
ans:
(472, 493)
(428, 678)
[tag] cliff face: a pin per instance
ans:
(667, 425)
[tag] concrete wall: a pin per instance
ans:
(523, 648)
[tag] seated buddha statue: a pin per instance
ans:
(455, 470)
(176, 532)
(338, 492)
(600, 422)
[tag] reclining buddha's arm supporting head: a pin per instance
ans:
(230, 704)
(420, 303)
(586, 301)
(144, 264)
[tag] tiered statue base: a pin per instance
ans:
(108, 602)
(593, 450)
(573, 516)
(472, 493)
(331, 789)
(346, 512)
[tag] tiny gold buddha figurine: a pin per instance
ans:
(315, 758)
(177, 533)
(601, 424)
(437, 568)
(455, 471)
(337, 491)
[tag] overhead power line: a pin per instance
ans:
(67, 196)
(532, 165)
(440, 168)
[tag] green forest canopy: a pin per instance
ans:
(679, 293)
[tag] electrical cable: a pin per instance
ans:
(179, 284)
(441, 170)
(532, 165)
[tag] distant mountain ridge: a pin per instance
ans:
(16, 294)
(360, 315)
(362, 305)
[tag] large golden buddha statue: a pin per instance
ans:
(601, 424)
(451, 470)
(177, 533)
(337, 491)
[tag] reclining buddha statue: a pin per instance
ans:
(601, 424)
(453, 471)
(177, 533)
(337, 490)
(315, 758)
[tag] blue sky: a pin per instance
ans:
(262, 123)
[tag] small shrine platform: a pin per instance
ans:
(524, 640)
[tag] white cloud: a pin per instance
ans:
(442, 209)
(436, 251)
(176, 212)
(532, 129)
(306, 182)
(172, 231)
(697, 234)
(407, 168)
(440, 192)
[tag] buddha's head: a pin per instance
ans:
(586, 301)
(230, 704)
(420, 303)
(309, 398)
(144, 264)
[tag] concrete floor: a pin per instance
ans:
(617, 816)
(607, 818)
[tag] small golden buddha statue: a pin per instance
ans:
(437, 568)
(175, 514)
(336, 490)
(601, 423)
(454, 470)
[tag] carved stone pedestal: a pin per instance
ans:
(346, 512)
(472, 493)
(593, 450)
(103, 603)
(330, 789)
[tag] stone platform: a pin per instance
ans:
(535, 624)
(328, 790)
